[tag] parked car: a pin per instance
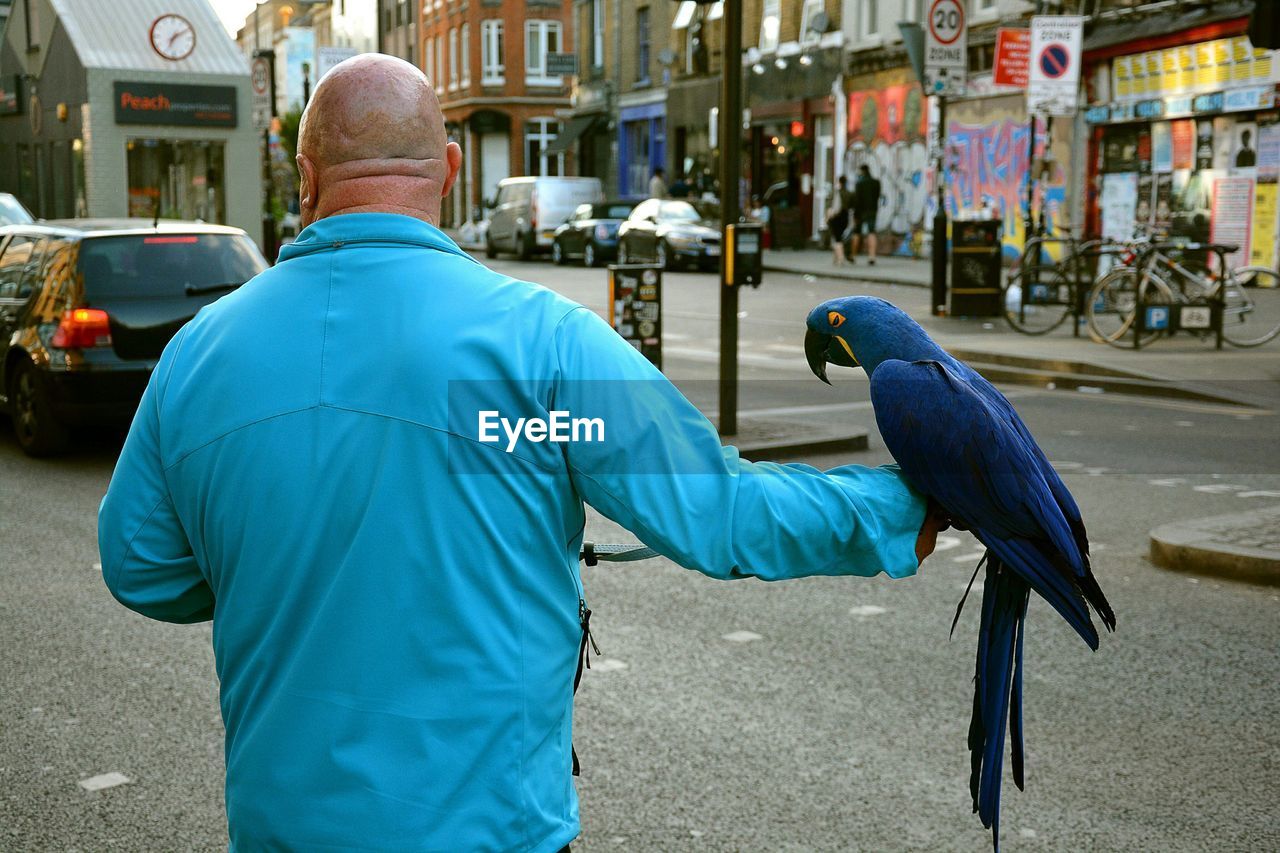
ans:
(591, 233)
(12, 211)
(672, 234)
(527, 212)
(87, 306)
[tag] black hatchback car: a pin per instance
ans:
(591, 233)
(87, 306)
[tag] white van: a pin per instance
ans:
(527, 212)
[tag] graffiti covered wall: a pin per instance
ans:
(887, 124)
(988, 161)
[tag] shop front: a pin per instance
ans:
(1185, 138)
(114, 124)
(642, 145)
(692, 110)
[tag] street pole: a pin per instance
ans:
(1029, 221)
(939, 285)
(730, 149)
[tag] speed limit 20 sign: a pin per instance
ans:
(946, 48)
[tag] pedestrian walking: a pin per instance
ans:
(658, 183)
(866, 206)
(397, 611)
(838, 226)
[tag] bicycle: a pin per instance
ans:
(1168, 273)
(1040, 295)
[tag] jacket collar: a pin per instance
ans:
(335, 231)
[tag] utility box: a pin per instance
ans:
(975, 268)
(744, 254)
(635, 307)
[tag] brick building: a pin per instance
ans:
(492, 64)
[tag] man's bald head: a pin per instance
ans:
(372, 139)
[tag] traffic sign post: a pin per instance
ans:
(1013, 58)
(1054, 78)
(946, 47)
(260, 76)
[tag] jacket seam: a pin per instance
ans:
(324, 335)
(119, 567)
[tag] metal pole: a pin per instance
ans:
(939, 288)
(730, 149)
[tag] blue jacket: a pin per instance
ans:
(395, 599)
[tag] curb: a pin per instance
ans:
(831, 274)
(1194, 547)
(1086, 383)
(760, 440)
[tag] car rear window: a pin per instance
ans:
(613, 211)
(167, 264)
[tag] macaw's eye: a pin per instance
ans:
(835, 318)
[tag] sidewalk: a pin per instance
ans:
(816, 262)
(1242, 546)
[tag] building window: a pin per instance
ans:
(642, 45)
(492, 70)
(453, 57)
(439, 40)
(466, 55)
(808, 34)
(429, 60)
(540, 38)
(597, 33)
(771, 24)
(913, 10)
(538, 134)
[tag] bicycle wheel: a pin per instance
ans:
(1037, 298)
(1251, 307)
(1113, 304)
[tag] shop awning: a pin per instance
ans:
(684, 15)
(575, 128)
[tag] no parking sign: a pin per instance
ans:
(1055, 64)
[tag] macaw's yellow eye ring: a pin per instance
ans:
(835, 318)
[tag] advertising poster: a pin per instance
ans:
(1164, 202)
(1143, 209)
(1263, 248)
(1144, 151)
(1161, 147)
(1204, 144)
(1244, 152)
(1223, 142)
(1268, 152)
(1232, 218)
(1119, 204)
(1183, 143)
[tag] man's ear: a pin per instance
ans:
(308, 190)
(452, 160)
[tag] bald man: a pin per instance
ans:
(324, 464)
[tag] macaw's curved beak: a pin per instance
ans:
(821, 349)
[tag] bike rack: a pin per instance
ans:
(1193, 315)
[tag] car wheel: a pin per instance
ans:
(490, 250)
(557, 254)
(39, 432)
(589, 254)
(524, 246)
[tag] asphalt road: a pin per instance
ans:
(835, 722)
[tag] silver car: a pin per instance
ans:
(527, 212)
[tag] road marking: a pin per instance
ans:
(867, 610)
(742, 637)
(1219, 488)
(1166, 482)
(1027, 833)
(1066, 466)
(751, 358)
(1097, 471)
(104, 781)
(607, 665)
(946, 543)
(1184, 423)
(1132, 427)
(968, 558)
(674, 336)
(1259, 493)
(1072, 432)
(97, 567)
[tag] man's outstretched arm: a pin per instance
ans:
(147, 561)
(661, 472)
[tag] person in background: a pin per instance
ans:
(681, 187)
(838, 221)
(658, 183)
(760, 213)
(866, 204)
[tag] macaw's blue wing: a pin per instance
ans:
(959, 441)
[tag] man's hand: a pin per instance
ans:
(936, 520)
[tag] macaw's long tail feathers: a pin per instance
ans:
(997, 689)
(1093, 594)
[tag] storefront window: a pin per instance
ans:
(177, 179)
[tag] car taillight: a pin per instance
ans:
(82, 328)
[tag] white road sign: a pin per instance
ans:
(946, 55)
(260, 76)
(327, 57)
(1055, 64)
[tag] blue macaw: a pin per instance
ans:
(959, 441)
